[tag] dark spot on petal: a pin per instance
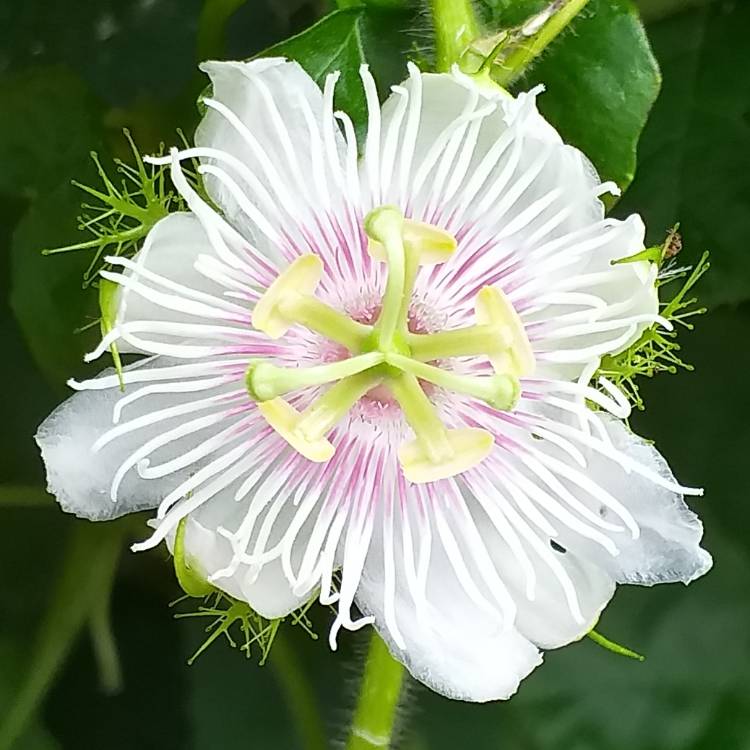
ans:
(557, 547)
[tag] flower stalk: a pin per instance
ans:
(456, 28)
(380, 692)
(536, 35)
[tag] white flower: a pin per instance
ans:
(454, 477)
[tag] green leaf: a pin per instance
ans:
(345, 39)
(85, 577)
(694, 154)
(49, 125)
(601, 81)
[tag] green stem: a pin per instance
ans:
(615, 648)
(456, 28)
(104, 644)
(375, 714)
(300, 699)
(529, 48)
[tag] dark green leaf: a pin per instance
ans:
(694, 155)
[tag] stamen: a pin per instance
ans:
(458, 342)
(284, 418)
(326, 411)
(493, 308)
(289, 300)
(423, 245)
(305, 431)
(499, 391)
(300, 278)
(323, 319)
(436, 453)
(266, 381)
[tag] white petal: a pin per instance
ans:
(548, 618)
(170, 253)
(668, 549)
(626, 290)
(447, 642)
(445, 111)
(525, 207)
(262, 116)
(269, 594)
(81, 479)
(659, 536)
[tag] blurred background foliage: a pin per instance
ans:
(77, 674)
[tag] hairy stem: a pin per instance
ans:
(532, 46)
(375, 714)
(456, 28)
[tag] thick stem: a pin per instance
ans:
(379, 694)
(528, 49)
(455, 29)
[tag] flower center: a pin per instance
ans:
(388, 356)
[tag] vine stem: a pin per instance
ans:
(300, 697)
(375, 714)
(518, 60)
(456, 28)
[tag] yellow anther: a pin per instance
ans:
(300, 279)
(284, 418)
(430, 244)
(514, 355)
(470, 446)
